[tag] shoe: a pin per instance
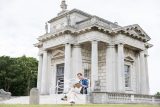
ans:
(72, 102)
(64, 98)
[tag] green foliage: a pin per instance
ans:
(18, 75)
(158, 95)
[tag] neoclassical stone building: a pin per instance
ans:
(105, 52)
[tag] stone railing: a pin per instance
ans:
(106, 97)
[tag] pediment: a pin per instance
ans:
(58, 53)
(130, 59)
(136, 29)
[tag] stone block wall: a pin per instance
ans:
(102, 66)
(86, 57)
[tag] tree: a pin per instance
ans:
(158, 95)
(18, 75)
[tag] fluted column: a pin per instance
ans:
(49, 73)
(120, 70)
(146, 71)
(142, 70)
(76, 60)
(138, 74)
(94, 64)
(44, 74)
(39, 72)
(67, 66)
(110, 68)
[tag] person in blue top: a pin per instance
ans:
(84, 83)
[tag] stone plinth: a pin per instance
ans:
(34, 96)
(4, 95)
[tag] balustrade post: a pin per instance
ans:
(153, 99)
(132, 98)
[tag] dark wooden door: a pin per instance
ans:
(60, 78)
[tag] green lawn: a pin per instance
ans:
(96, 105)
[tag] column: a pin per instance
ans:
(142, 70)
(67, 66)
(138, 74)
(120, 71)
(146, 71)
(50, 77)
(76, 60)
(94, 64)
(39, 73)
(44, 74)
(110, 68)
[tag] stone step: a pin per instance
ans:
(45, 99)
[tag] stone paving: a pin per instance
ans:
(48, 99)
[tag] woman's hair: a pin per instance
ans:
(79, 74)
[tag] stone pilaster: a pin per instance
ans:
(44, 74)
(143, 73)
(76, 60)
(94, 64)
(110, 68)
(138, 74)
(49, 74)
(120, 68)
(39, 72)
(67, 66)
(146, 71)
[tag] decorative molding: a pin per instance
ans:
(129, 59)
(57, 54)
(73, 31)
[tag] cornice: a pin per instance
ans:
(92, 27)
(95, 23)
(40, 44)
(133, 30)
(148, 45)
(69, 12)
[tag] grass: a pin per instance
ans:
(91, 105)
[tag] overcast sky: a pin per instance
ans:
(22, 21)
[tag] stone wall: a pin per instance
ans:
(86, 57)
(102, 66)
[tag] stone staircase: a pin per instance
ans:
(46, 99)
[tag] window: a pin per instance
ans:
(60, 78)
(87, 74)
(127, 76)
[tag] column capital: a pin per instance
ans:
(77, 45)
(121, 43)
(110, 45)
(94, 41)
(44, 51)
(40, 54)
(67, 43)
(141, 52)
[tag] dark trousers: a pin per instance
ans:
(83, 90)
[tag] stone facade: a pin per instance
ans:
(103, 51)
